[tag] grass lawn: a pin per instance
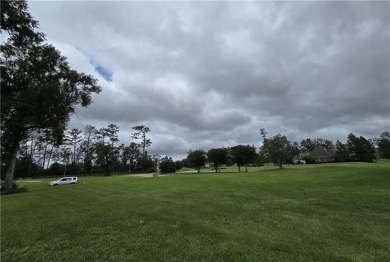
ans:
(330, 212)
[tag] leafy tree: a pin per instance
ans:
(90, 133)
(167, 165)
(196, 159)
(178, 165)
(18, 23)
(342, 152)
(56, 169)
(308, 145)
(384, 145)
(112, 133)
(104, 156)
(140, 133)
(24, 164)
(218, 156)
(277, 149)
(74, 139)
(129, 155)
(145, 164)
(106, 152)
(243, 155)
(65, 155)
(360, 149)
(294, 150)
(185, 163)
(38, 88)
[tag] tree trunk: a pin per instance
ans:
(246, 168)
(29, 166)
(9, 175)
(107, 163)
(44, 156)
(65, 170)
(49, 157)
(239, 168)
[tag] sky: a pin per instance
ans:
(208, 74)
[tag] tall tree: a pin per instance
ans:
(308, 144)
(342, 152)
(196, 159)
(243, 155)
(90, 133)
(360, 149)
(130, 154)
(140, 133)
(277, 149)
(38, 88)
(74, 137)
(218, 156)
(106, 151)
(384, 145)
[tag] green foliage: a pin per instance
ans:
(55, 170)
(242, 155)
(307, 145)
(178, 165)
(167, 165)
(277, 149)
(145, 165)
(196, 159)
(140, 133)
(18, 23)
(217, 156)
(38, 88)
(342, 152)
(384, 145)
(26, 167)
(360, 149)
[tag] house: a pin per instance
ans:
(319, 155)
(322, 155)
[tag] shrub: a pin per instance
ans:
(167, 165)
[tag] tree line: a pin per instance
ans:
(97, 151)
(88, 151)
(280, 151)
(40, 92)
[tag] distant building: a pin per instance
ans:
(322, 155)
(319, 155)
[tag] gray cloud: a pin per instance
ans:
(207, 74)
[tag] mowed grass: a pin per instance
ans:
(333, 212)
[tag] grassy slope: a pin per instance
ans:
(317, 213)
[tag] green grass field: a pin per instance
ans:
(332, 212)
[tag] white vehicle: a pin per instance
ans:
(64, 181)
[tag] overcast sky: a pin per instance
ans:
(211, 74)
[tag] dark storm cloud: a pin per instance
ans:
(219, 71)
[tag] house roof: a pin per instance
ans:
(321, 152)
